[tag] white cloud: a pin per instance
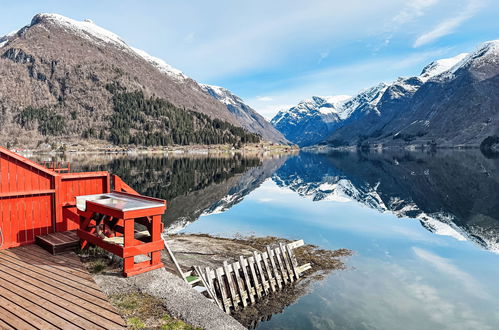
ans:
(264, 98)
(413, 10)
(269, 110)
(449, 25)
(323, 55)
(446, 266)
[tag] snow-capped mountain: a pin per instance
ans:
(66, 67)
(452, 102)
(248, 117)
(311, 120)
(366, 115)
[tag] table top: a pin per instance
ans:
(117, 201)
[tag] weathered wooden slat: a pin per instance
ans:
(280, 264)
(286, 262)
(209, 289)
(265, 285)
(174, 260)
(293, 262)
(243, 264)
(240, 284)
(295, 244)
(256, 283)
(223, 290)
(232, 288)
(268, 271)
(304, 268)
(277, 276)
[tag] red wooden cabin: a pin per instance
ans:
(36, 201)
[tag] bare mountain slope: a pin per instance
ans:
(64, 65)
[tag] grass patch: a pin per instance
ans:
(144, 311)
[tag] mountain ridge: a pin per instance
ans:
(62, 67)
(381, 120)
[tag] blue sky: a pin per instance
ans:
(275, 53)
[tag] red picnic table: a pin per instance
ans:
(109, 221)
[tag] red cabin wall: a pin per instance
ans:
(79, 184)
(27, 194)
(33, 198)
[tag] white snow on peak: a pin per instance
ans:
(485, 50)
(221, 94)
(86, 29)
(441, 224)
(89, 30)
(5, 39)
(440, 66)
(161, 65)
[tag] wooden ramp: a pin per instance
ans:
(42, 291)
(250, 279)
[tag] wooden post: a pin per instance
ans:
(230, 282)
(286, 262)
(277, 277)
(240, 284)
(243, 264)
(265, 285)
(223, 290)
(251, 263)
(281, 267)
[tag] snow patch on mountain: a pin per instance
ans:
(161, 65)
(438, 67)
(5, 39)
(89, 30)
(222, 94)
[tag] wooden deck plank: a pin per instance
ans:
(39, 290)
(70, 300)
(41, 271)
(4, 326)
(59, 265)
(13, 320)
(69, 258)
(63, 318)
(27, 316)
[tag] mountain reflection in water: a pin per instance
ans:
(441, 275)
(450, 193)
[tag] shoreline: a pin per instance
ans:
(251, 149)
(180, 301)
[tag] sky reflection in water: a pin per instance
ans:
(402, 275)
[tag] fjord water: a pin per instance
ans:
(424, 228)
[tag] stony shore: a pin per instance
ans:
(170, 299)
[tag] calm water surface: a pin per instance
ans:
(424, 228)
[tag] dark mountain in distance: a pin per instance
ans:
(60, 77)
(458, 107)
(246, 116)
(453, 102)
(311, 120)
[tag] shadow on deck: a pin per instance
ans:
(42, 291)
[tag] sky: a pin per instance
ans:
(275, 53)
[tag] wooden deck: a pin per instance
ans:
(42, 291)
